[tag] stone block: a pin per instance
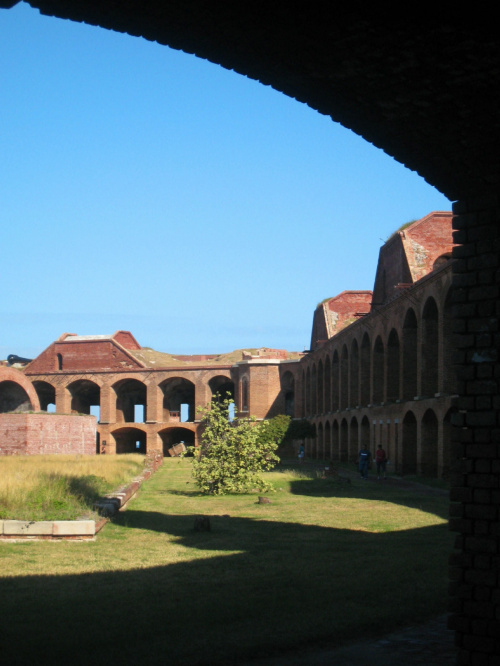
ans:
(74, 528)
(27, 528)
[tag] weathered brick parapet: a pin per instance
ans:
(475, 479)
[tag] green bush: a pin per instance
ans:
(232, 454)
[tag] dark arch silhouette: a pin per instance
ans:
(335, 60)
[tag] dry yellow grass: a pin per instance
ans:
(33, 487)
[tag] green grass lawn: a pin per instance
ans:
(324, 562)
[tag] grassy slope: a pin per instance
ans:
(321, 562)
(60, 487)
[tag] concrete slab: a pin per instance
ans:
(74, 528)
(27, 528)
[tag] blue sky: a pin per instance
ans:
(144, 189)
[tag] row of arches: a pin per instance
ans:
(413, 360)
(135, 440)
(415, 444)
(130, 398)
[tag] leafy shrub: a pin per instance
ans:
(232, 454)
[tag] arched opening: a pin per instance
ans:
(344, 378)
(320, 388)
(320, 451)
(365, 370)
(46, 395)
(314, 390)
(131, 401)
(393, 373)
(353, 440)
(364, 433)
(13, 398)
(178, 400)
(130, 440)
(378, 371)
(441, 260)
(172, 436)
(244, 394)
(328, 441)
(59, 362)
(409, 444)
(221, 386)
(288, 389)
(429, 450)
(354, 374)
(344, 434)
(430, 349)
(85, 397)
(335, 381)
(308, 392)
(328, 385)
(335, 441)
(303, 395)
(449, 381)
(410, 367)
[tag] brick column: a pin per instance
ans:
(108, 404)
(202, 395)
(63, 400)
(154, 410)
(475, 486)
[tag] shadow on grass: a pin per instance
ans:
(185, 493)
(286, 585)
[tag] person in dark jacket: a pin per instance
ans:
(365, 458)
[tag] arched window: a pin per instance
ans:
(393, 366)
(430, 349)
(410, 356)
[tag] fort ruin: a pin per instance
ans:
(378, 370)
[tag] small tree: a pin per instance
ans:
(232, 454)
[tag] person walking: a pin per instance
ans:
(381, 461)
(302, 453)
(364, 461)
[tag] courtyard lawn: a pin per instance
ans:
(324, 562)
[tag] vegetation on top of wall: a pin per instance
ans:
(156, 359)
(323, 301)
(401, 228)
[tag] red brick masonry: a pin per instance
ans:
(29, 434)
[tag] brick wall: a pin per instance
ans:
(264, 389)
(410, 254)
(29, 434)
(82, 356)
(475, 487)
